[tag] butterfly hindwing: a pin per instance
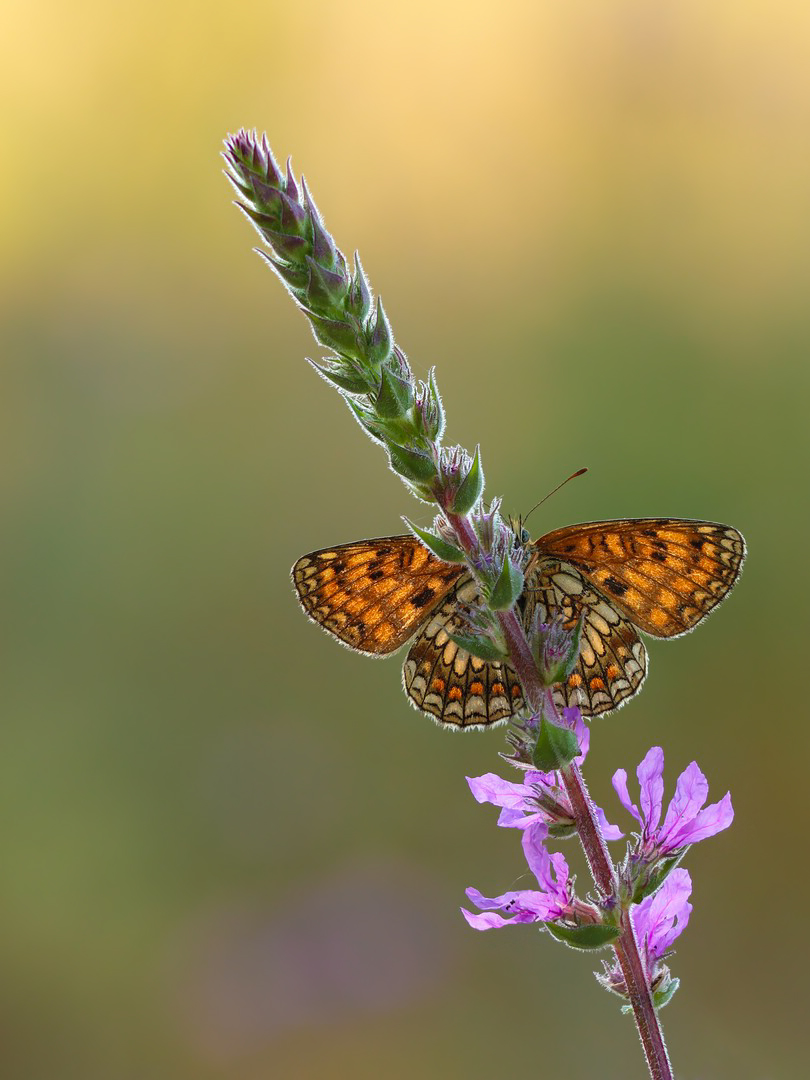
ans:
(612, 660)
(664, 574)
(374, 594)
(445, 681)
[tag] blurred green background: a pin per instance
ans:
(229, 848)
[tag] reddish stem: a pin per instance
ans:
(590, 834)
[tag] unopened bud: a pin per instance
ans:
(556, 649)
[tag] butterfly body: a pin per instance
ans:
(659, 575)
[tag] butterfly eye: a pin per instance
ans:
(524, 537)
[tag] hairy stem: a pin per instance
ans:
(590, 834)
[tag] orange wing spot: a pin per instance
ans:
(477, 688)
(498, 689)
(383, 633)
(399, 595)
(658, 617)
(516, 691)
(419, 558)
(574, 681)
(438, 685)
(454, 693)
(596, 684)
(612, 671)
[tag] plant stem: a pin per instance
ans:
(590, 834)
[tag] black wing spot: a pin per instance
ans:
(659, 556)
(615, 586)
(696, 544)
(570, 547)
(649, 532)
(423, 597)
(375, 575)
(661, 545)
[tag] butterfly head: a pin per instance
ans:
(522, 537)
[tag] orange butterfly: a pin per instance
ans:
(659, 575)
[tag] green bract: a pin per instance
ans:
(555, 748)
(507, 588)
(588, 938)
(470, 488)
(440, 548)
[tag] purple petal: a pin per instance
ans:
(650, 775)
(519, 901)
(494, 789)
(489, 921)
(620, 787)
(551, 872)
(573, 718)
(514, 819)
(560, 889)
(610, 832)
(536, 855)
(522, 906)
(662, 917)
(712, 819)
(691, 792)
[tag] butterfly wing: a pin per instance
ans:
(612, 660)
(664, 574)
(373, 594)
(446, 682)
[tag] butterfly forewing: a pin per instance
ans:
(374, 594)
(664, 574)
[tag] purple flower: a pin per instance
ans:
(661, 918)
(552, 901)
(687, 819)
(556, 649)
(658, 920)
(541, 797)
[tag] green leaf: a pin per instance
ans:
(470, 488)
(343, 376)
(440, 548)
(588, 938)
(380, 341)
(326, 289)
(483, 648)
(555, 748)
(336, 334)
(358, 301)
(366, 420)
(507, 588)
(651, 883)
(412, 464)
(665, 995)
(395, 396)
(436, 434)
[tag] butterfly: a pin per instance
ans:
(661, 576)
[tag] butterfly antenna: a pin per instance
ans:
(573, 476)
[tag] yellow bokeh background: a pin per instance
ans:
(230, 849)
